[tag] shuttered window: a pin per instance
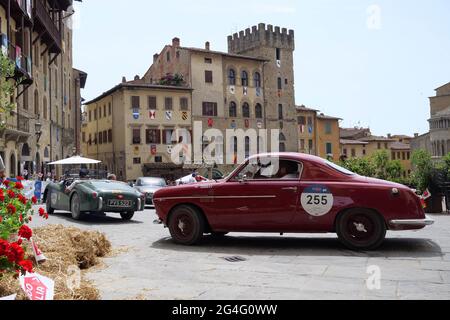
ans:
(210, 109)
(153, 136)
(135, 102)
(152, 103)
(136, 136)
(184, 104)
(168, 103)
(208, 76)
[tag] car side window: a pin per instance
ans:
(271, 169)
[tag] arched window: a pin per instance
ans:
(247, 147)
(231, 77)
(280, 84)
(280, 112)
(36, 102)
(26, 150)
(244, 79)
(257, 80)
(258, 111)
(233, 109)
(12, 165)
(246, 110)
(282, 147)
(44, 105)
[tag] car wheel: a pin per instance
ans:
(48, 204)
(361, 229)
(75, 207)
(186, 225)
(127, 215)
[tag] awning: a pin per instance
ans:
(75, 160)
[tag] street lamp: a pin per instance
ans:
(37, 130)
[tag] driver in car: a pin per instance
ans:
(288, 171)
(74, 183)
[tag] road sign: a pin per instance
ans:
(37, 287)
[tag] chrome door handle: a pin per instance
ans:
(291, 189)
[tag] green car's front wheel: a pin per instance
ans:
(48, 204)
(75, 207)
(127, 216)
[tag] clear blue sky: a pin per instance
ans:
(372, 66)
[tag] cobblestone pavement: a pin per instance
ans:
(412, 265)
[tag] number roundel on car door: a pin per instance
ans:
(317, 200)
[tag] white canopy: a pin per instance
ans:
(75, 160)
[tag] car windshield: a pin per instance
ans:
(153, 182)
(339, 168)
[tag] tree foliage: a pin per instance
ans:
(377, 166)
(422, 169)
(7, 88)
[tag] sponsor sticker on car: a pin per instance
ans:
(317, 200)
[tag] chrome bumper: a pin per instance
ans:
(414, 223)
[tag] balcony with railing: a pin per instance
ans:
(22, 62)
(17, 128)
(19, 9)
(44, 24)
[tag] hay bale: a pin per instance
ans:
(64, 248)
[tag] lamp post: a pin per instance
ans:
(37, 130)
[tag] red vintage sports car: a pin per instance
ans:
(291, 193)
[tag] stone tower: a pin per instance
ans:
(277, 46)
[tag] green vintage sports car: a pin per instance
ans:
(93, 196)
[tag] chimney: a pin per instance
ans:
(416, 135)
(389, 135)
(136, 77)
(155, 57)
(176, 42)
(124, 79)
(207, 46)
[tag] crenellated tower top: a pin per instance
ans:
(261, 36)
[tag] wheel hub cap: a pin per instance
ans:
(360, 227)
(181, 225)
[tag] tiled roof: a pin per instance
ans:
(352, 132)
(136, 85)
(303, 108)
(377, 138)
(353, 142)
(226, 54)
(400, 146)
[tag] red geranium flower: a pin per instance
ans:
(2, 197)
(22, 199)
(11, 194)
(1, 219)
(34, 200)
(25, 232)
(41, 212)
(6, 183)
(26, 265)
(4, 247)
(15, 253)
(19, 178)
(11, 208)
(19, 186)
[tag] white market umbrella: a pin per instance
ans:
(75, 160)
